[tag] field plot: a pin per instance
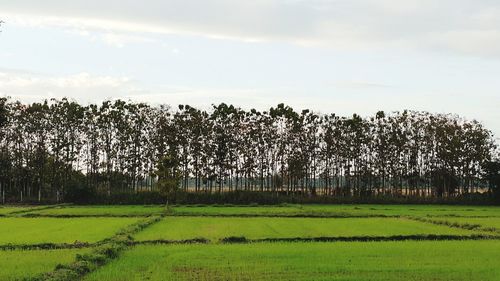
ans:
(76, 211)
(18, 265)
(406, 210)
(215, 228)
(430, 260)
(285, 210)
(341, 210)
(58, 230)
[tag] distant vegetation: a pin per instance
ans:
(60, 151)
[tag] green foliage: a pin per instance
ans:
(3, 110)
(168, 176)
(492, 175)
(61, 151)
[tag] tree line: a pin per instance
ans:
(52, 148)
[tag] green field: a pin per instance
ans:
(101, 211)
(418, 242)
(443, 260)
(285, 210)
(341, 210)
(214, 228)
(405, 210)
(55, 230)
(16, 265)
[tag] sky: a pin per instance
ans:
(331, 56)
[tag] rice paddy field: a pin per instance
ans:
(53, 230)
(285, 242)
(339, 210)
(102, 211)
(217, 228)
(25, 264)
(308, 261)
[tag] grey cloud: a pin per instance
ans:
(470, 27)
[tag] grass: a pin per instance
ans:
(17, 265)
(214, 228)
(410, 260)
(340, 210)
(57, 230)
(127, 210)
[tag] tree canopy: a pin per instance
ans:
(121, 147)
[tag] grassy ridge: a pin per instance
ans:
(7, 210)
(443, 260)
(490, 224)
(215, 228)
(53, 230)
(119, 210)
(108, 250)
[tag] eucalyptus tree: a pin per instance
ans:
(36, 127)
(139, 139)
(180, 144)
(225, 125)
(118, 146)
(91, 145)
(5, 159)
(197, 125)
(168, 176)
(109, 123)
(66, 129)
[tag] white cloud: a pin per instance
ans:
(30, 87)
(462, 26)
(85, 88)
(120, 40)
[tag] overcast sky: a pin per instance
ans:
(328, 55)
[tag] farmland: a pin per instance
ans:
(224, 242)
(339, 210)
(216, 228)
(17, 264)
(308, 261)
(53, 230)
(99, 211)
